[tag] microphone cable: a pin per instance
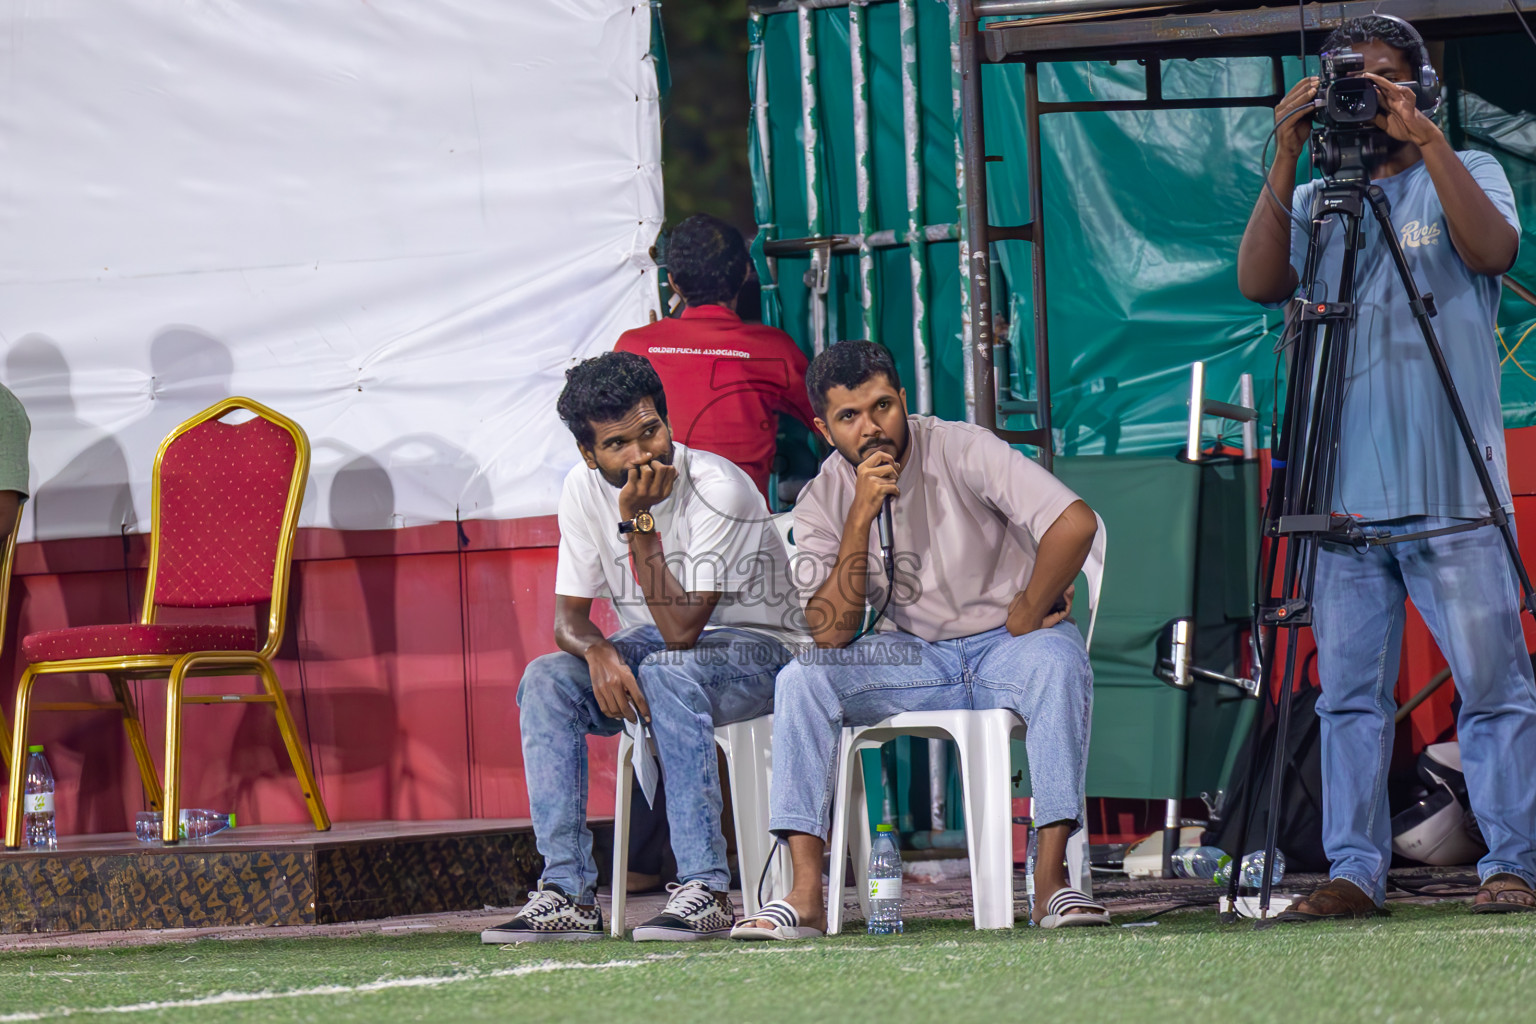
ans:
(888, 557)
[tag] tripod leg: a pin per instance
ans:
(1257, 752)
(1277, 772)
(1380, 208)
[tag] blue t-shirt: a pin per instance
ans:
(1400, 453)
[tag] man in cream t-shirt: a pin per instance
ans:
(986, 545)
(681, 541)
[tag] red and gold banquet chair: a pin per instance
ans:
(225, 507)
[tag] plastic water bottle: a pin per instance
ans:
(196, 824)
(1198, 861)
(38, 802)
(884, 883)
(1031, 837)
(1252, 870)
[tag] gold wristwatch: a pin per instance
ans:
(643, 522)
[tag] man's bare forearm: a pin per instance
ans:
(1063, 549)
(575, 632)
(680, 616)
(836, 612)
(1486, 242)
(1264, 271)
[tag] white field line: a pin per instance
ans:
(429, 981)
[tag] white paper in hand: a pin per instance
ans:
(647, 768)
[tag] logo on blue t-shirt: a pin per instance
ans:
(1415, 234)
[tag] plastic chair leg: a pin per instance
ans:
(984, 764)
(746, 759)
(624, 773)
(1078, 872)
(779, 878)
(845, 817)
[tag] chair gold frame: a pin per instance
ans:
(177, 668)
(7, 559)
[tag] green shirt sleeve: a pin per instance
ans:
(15, 431)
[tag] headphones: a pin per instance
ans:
(1426, 84)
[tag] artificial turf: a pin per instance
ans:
(1424, 964)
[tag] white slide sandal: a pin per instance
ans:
(785, 920)
(1057, 911)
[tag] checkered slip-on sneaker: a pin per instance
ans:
(549, 915)
(692, 912)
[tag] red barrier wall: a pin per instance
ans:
(401, 660)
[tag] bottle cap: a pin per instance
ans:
(36, 748)
(885, 828)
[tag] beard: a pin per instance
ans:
(868, 448)
(619, 477)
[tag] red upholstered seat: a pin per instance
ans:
(123, 641)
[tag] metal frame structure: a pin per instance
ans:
(1033, 32)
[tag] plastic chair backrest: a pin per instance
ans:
(784, 523)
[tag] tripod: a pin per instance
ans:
(1298, 506)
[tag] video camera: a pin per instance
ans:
(1345, 141)
(1347, 100)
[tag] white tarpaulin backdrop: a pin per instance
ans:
(396, 221)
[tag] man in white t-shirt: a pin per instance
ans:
(681, 542)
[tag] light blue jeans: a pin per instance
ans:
(726, 677)
(1044, 676)
(1466, 590)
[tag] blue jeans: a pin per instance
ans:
(726, 677)
(1466, 590)
(1043, 676)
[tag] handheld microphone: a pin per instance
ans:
(887, 528)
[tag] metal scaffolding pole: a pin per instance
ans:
(810, 122)
(973, 150)
(758, 60)
(858, 50)
(967, 354)
(917, 242)
(1037, 264)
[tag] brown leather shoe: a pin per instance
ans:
(1334, 900)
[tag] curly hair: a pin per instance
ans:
(708, 260)
(603, 389)
(847, 365)
(1374, 27)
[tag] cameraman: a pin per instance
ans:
(1403, 468)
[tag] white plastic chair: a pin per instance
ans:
(985, 760)
(748, 748)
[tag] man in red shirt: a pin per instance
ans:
(726, 381)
